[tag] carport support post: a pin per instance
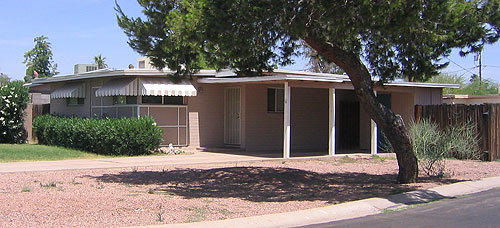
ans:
(286, 124)
(331, 121)
(373, 134)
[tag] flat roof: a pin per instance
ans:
(466, 96)
(227, 76)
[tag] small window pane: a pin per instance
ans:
(121, 100)
(280, 100)
(173, 100)
(75, 101)
(151, 99)
(131, 100)
(271, 102)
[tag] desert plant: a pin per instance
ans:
(427, 142)
(13, 100)
(461, 141)
(126, 136)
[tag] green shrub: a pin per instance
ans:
(432, 145)
(126, 136)
(427, 142)
(461, 141)
(13, 100)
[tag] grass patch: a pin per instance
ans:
(198, 214)
(29, 152)
(498, 160)
(347, 159)
(26, 189)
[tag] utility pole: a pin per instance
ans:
(479, 59)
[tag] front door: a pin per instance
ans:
(232, 116)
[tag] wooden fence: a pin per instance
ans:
(32, 111)
(485, 117)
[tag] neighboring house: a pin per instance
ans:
(82, 68)
(471, 99)
(279, 112)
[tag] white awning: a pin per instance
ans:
(69, 90)
(166, 87)
(118, 87)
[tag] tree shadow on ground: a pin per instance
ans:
(263, 184)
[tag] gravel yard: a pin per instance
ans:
(178, 194)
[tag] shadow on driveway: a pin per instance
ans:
(263, 184)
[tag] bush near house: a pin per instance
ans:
(432, 145)
(126, 136)
(13, 100)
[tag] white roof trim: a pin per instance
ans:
(270, 78)
(166, 87)
(423, 84)
(118, 87)
(113, 73)
(69, 90)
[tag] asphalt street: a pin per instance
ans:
(479, 210)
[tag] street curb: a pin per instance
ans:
(348, 210)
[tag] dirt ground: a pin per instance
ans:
(179, 194)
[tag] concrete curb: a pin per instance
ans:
(349, 210)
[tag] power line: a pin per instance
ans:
(460, 66)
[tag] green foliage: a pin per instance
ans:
(475, 87)
(432, 145)
(30, 152)
(317, 63)
(4, 79)
(39, 59)
(461, 141)
(100, 61)
(126, 136)
(396, 38)
(449, 79)
(427, 142)
(13, 100)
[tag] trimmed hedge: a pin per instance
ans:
(126, 136)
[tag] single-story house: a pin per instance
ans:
(282, 112)
(471, 99)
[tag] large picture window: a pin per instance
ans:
(275, 99)
(166, 100)
(121, 100)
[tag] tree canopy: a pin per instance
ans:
(473, 87)
(4, 79)
(384, 39)
(39, 61)
(100, 61)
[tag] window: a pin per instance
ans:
(121, 100)
(142, 64)
(166, 100)
(275, 99)
(75, 101)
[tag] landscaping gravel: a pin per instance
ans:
(191, 193)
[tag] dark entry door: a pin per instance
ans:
(349, 125)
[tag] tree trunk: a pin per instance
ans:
(392, 125)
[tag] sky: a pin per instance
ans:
(81, 29)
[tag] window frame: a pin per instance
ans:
(276, 103)
(163, 100)
(79, 101)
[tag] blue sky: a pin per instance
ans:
(80, 30)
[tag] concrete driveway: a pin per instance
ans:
(105, 163)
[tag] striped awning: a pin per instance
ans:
(166, 87)
(69, 90)
(118, 87)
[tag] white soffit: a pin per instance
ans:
(118, 87)
(166, 87)
(69, 90)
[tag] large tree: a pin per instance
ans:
(39, 60)
(4, 79)
(367, 39)
(100, 61)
